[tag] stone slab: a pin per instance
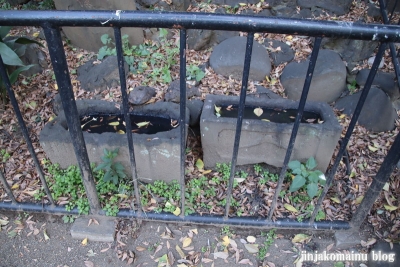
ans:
(266, 142)
(103, 232)
(346, 239)
(157, 155)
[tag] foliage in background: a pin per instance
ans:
(156, 59)
(306, 177)
(11, 50)
(31, 5)
(114, 171)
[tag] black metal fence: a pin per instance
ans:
(50, 21)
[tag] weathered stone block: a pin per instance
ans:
(157, 155)
(267, 142)
(89, 37)
(102, 232)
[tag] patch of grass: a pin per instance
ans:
(352, 86)
(226, 230)
(270, 237)
(4, 155)
(68, 183)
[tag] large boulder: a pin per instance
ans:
(141, 94)
(377, 114)
(339, 7)
(174, 92)
(227, 59)
(100, 76)
(351, 51)
(280, 52)
(89, 37)
(329, 70)
(17, 2)
(384, 80)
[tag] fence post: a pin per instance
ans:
(377, 184)
(60, 66)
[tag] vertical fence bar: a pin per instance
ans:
(182, 123)
(393, 52)
(242, 102)
(60, 66)
(350, 129)
(127, 117)
(7, 188)
(300, 111)
(377, 184)
(24, 130)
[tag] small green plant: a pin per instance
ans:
(306, 176)
(225, 170)
(232, 9)
(4, 155)
(194, 73)
(68, 219)
(114, 171)
(226, 230)
(269, 240)
(352, 86)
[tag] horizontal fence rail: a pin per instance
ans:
(50, 21)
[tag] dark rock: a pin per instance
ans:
(17, 2)
(329, 70)
(350, 50)
(264, 12)
(141, 94)
(89, 37)
(32, 55)
(390, 4)
(374, 11)
(339, 7)
(99, 76)
(220, 36)
(284, 11)
(384, 80)
(396, 104)
(232, 2)
(382, 249)
(147, 3)
(220, 10)
(377, 115)
(173, 92)
(177, 5)
(57, 105)
(262, 92)
(285, 54)
(198, 39)
(195, 106)
(228, 57)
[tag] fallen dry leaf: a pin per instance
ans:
(186, 242)
(222, 255)
(251, 248)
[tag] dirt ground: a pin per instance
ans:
(45, 240)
